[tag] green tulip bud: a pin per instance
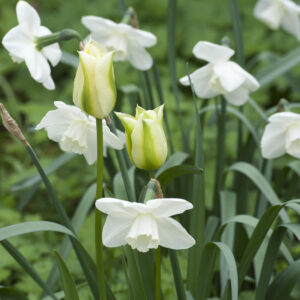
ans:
(145, 138)
(94, 85)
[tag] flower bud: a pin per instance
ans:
(94, 85)
(145, 137)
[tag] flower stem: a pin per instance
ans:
(98, 214)
(157, 274)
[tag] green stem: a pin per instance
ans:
(128, 14)
(157, 275)
(98, 214)
(220, 156)
(64, 35)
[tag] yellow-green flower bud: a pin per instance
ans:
(94, 85)
(145, 138)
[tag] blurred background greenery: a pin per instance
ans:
(28, 102)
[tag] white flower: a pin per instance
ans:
(127, 42)
(282, 135)
(20, 42)
(276, 13)
(220, 76)
(144, 226)
(75, 131)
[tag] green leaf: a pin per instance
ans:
(11, 294)
(119, 186)
(260, 181)
(36, 179)
(279, 67)
(67, 280)
(165, 177)
(283, 284)
(30, 227)
(79, 217)
(27, 267)
(205, 274)
(175, 159)
(270, 257)
(295, 166)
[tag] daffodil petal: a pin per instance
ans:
(166, 207)
(173, 235)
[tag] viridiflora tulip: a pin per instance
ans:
(94, 86)
(145, 138)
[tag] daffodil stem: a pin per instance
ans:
(64, 35)
(98, 214)
(157, 275)
(220, 155)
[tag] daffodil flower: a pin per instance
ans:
(20, 42)
(75, 131)
(281, 135)
(220, 76)
(279, 13)
(144, 226)
(127, 42)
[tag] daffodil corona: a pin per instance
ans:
(144, 226)
(145, 137)
(94, 85)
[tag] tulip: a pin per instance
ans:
(144, 226)
(279, 13)
(220, 76)
(76, 132)
(281, 135)
(127, 42)
(145, 137)
(94, 85)
(21, 43)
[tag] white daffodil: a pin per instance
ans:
(75, 131)
(20, 42)
(281, 135)
(144, 226)
(127, 42)
(220, 76)
(279, 13)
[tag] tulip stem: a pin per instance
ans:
(98, 214)
(157, 275)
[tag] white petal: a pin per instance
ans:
(17, 43)
(48, 83)
(167, 207)
(285, 117)
(37, 65)
(116, 207)
(119, 45)
(270, 12)
(98, 24)
(51, 52)
(172, 234)
(273, 140)
(115, 230)
(111, 139)
(91, 153)
(293, 140)
(228, 76)
(28, 18)
(200, 80)
(291, 24)
(139, 57)
(212, 52)
(238, 97)
(144, 38)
